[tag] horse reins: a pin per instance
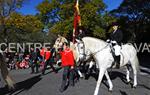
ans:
(94, 52)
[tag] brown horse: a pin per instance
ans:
(5, 73)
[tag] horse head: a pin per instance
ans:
(59, 42)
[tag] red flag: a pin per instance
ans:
(77, 20)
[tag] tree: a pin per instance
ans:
(28, 23)
(134, 17)
(21, 28)
(60, 13)
(6, 8)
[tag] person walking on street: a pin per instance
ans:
(33, 61)
(47, 59)
(68, 66)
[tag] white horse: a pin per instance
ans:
(5, 73)
(101, 52)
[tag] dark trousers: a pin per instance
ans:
(67, 75)
(45, 66)
(36, 66)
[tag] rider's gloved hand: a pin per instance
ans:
(108, 40)
(114, 42)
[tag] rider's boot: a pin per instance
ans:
(118, 62)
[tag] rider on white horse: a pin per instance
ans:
(80, 32)
(115, 38)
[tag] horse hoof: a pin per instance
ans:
(134, 87)
(110, 90)
(128, 82)
(86, 77)
(82, 77)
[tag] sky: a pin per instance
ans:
(29, 7)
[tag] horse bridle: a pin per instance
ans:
(81, 48)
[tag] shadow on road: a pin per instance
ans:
(21, 86)
(123, 93)
(57, 69)
(142, 85)
(145, 71)
(113, 75)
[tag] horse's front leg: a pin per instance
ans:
(109, 81)
(78, 69)
(91, 63)
(79, 72)
(100, 77)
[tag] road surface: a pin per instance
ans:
(36, 84)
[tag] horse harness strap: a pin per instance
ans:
(92, 54)
(99, 50)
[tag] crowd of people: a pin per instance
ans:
(16, 60)
(36, 59)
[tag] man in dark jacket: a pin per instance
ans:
(33, 61)
(80, 32)
(116, 37)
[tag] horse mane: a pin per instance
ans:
(93, 38)
(63, 39)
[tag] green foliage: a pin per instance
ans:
(15, 27)
(48, 11)
(27, 23)
(99, 32)
(93, 16)
(27, 28)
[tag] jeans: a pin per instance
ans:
(34, 65)
(67, 75)
(45, 66)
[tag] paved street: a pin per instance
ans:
(35, 84)
(41, 32)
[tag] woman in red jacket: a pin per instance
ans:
(67, 59)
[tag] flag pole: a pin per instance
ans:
(77, 20)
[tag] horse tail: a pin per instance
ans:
(135, 59)
(5, 74)
(136, 63)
